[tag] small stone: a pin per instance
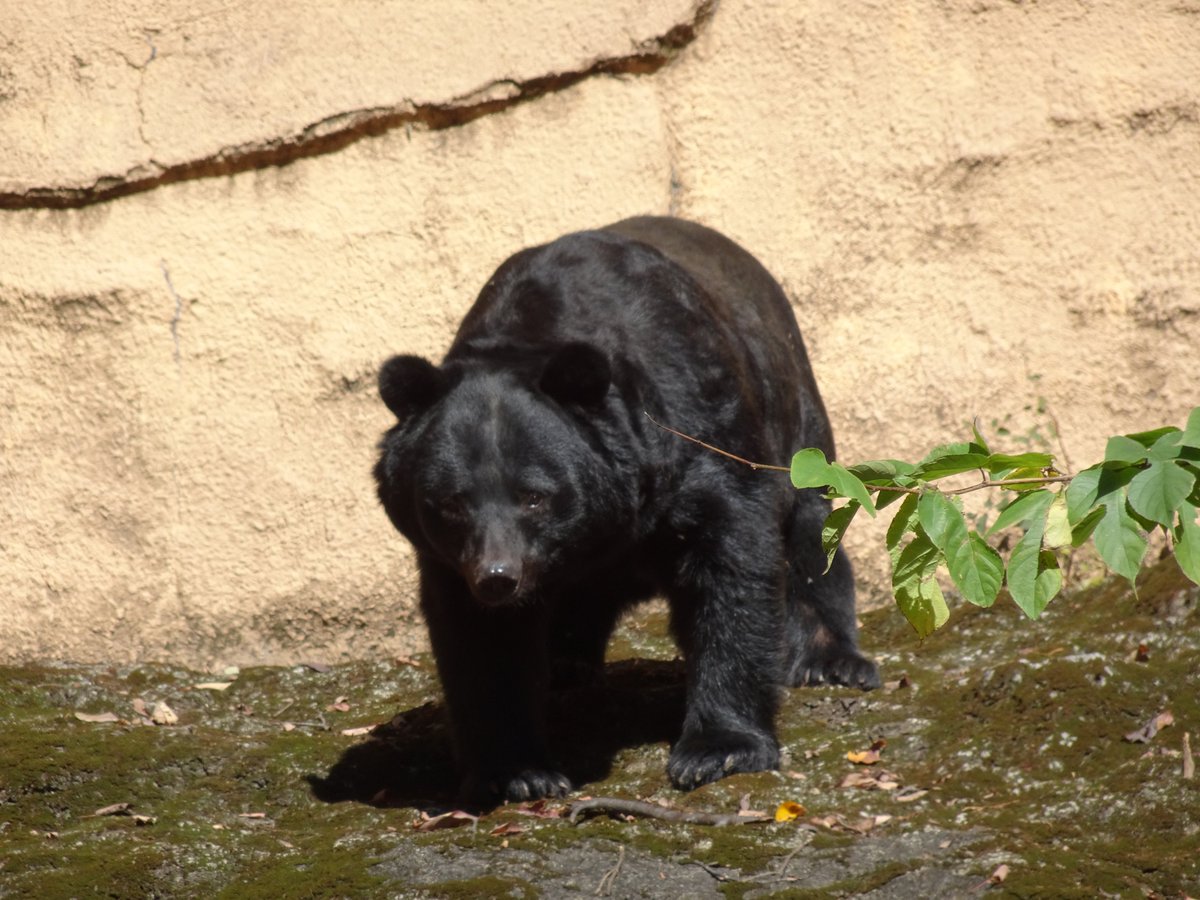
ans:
(163, 714)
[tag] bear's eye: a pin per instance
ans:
(452, 509)
(532, 499)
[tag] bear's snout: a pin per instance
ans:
(495, 582)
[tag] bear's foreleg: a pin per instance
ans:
(727, 613)
(494, 672)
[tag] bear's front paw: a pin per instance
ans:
(701, 758)
(523, 784)
(839, 665)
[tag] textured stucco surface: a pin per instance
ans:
(216, 221)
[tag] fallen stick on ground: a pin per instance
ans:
(612, 806)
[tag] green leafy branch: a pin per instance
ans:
(1147, 481)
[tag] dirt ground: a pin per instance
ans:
(1015, 759)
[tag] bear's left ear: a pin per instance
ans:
(577, 373)
(410, 384)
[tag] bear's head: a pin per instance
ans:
(500, 472)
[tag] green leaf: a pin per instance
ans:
(904, 521)
(923, 604)
(942, 520)
(881, 471)
(1058, 528)
(1003, 462)
(916, 589)
(1089, 488)
(979, 439)
(1159, 490)
(810, 469)
(952, 449)
(1150, 438)
(977, 570)
(1025, 508)
(919, 559)
(849, 485)
(1118, 538)
(835, 527)
(1033, 575)
(1082, 493)
(1168, 446)
(950, 464)
(1191, 433)
(1049, 582)
(1082, 530)
(1124, 449)
(1187, 544)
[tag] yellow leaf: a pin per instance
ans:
(789, 810)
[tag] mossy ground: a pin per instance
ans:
(1013, 730)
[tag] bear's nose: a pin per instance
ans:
(497, 584)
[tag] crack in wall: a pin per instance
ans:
(177, 316)
(340, 130)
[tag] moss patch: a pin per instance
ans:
(1004, 744)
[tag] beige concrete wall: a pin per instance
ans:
(216, 221)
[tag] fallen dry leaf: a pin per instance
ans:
(355, 732)
(144, 820)
(113, 809)
(252, 815)
(97, 717)
(1189, 764)
(898, 685)
(339, 705)
(453, 819)
(859, 826)
(1147, 732)
(999, 875)
(505, 829)
(213, 685)
(789, 810)
(163, 714)
(874, 780)
(867, 757)
(540, 809)
(909, 794)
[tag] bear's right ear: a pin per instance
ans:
(409, 384)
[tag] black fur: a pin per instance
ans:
(542, 501)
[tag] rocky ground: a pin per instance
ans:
(1003, 757)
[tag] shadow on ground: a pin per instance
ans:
(406, 762)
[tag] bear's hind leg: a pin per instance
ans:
(822, 634)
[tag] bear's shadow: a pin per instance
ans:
(407, 762)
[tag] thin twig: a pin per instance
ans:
(613, 806)
(725, 453)
(1009, 482)
(606, 883)
(878, 488)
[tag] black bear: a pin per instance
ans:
(542, 500)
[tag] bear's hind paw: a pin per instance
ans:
(845, 667)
